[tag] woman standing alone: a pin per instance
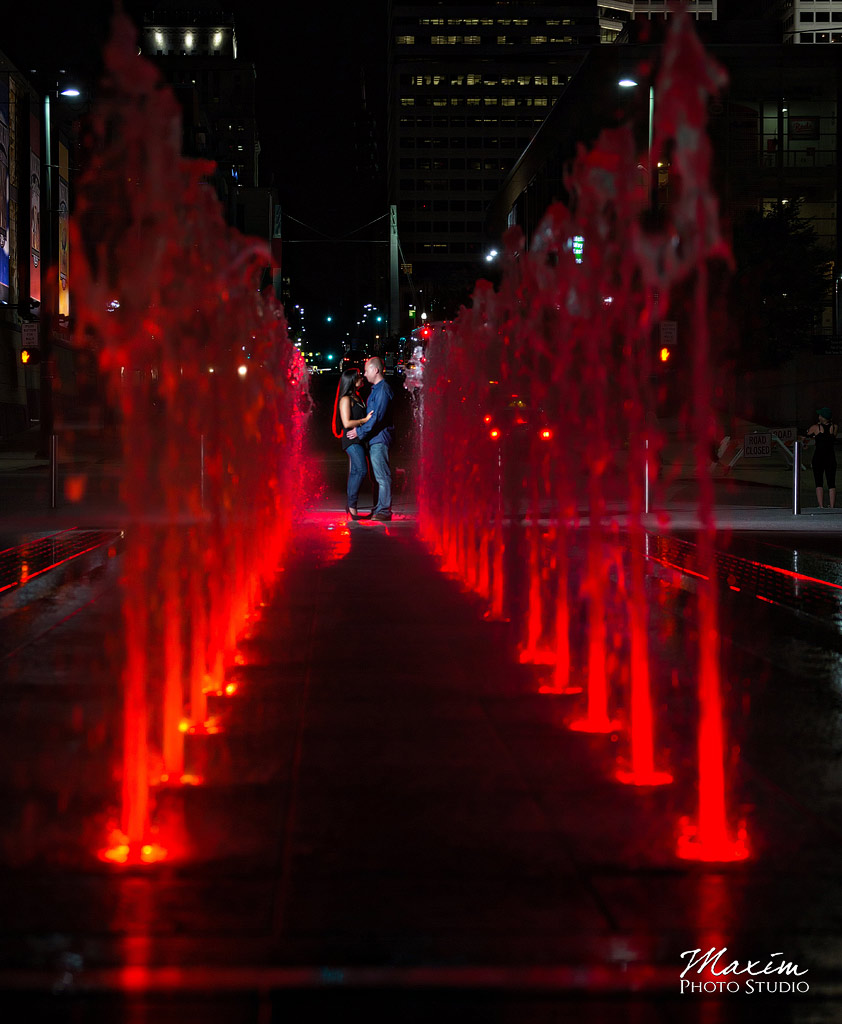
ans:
(824, 458)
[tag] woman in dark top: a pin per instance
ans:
(349, 411)
(824, 458)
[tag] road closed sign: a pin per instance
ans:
(786, 435)
(757, 446)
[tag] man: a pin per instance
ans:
(377, 433)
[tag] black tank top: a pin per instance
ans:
(824, 442)
(358, 412)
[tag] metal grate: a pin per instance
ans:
(786, 587)
(22, 563)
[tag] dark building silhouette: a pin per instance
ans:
(195, 46)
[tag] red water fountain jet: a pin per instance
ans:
(212, 400)
(569, 332)
(689, 73)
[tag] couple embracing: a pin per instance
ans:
(366, 430)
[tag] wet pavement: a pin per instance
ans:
(394, 820)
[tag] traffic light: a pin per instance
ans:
(30, 356)
(664, 354)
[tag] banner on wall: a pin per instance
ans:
(34, 210)
(4, 188)
(63, 233)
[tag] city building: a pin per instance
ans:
(195, 46)
(615, 15)
(40, 372)
(469, 86)
(775, 133)
(810, 21)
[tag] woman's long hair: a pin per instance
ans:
(347, 385)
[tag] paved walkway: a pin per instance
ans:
(396, 821)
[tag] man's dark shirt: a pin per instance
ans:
(379, 429)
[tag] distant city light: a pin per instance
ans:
(242, 370)
(491, 255)
(627, 83)
(71, 90)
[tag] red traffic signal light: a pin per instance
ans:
(30, 356)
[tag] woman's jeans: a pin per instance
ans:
(357, 469)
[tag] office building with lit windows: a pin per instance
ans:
(469, 85)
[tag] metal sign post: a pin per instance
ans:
(796, 479)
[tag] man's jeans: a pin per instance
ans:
(357, 469)
(379, 455)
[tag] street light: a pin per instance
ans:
(631, 83)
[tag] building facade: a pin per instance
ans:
(775, 133)
(37, 164)
(810, 21)
(615, 15)
(195, 47)
(469, 86)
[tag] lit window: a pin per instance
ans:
(491, 101)
(188, 40)
(159, 38)
(523, 79)
(217, 39)
(541, 80)
(540, 101)
(472, 40)
(405, 40)
(508, 101)
(501, 40)
(474, 79)
(407, 101)
(536, 40)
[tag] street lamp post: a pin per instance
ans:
(50, 255)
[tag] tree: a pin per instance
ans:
(781, 284)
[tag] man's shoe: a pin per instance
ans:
(382, 517)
